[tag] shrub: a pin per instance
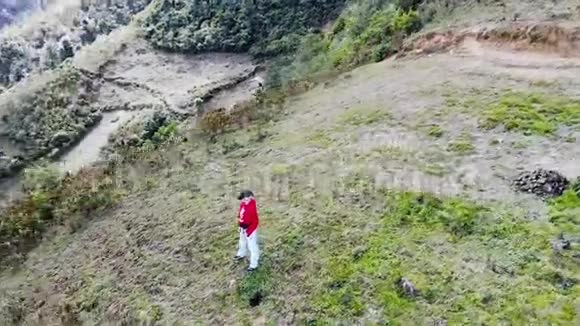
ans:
(264, 108)
(50, 202)
(215, 122)
(366, 31)
(41, 178)
(14, 57)
(165, 133)
(576, 187)
(42, 119)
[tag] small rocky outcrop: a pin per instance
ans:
(561, 243)
(9, 165)
(407, 287)
(542, 183)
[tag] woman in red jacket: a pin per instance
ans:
(248, 221)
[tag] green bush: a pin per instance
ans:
(368, 31)
(41, 178)
(576, 187)
(165, 133)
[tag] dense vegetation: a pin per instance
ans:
(268, 27)
(367, 31)
(361, 32)
(41, 121)
(50, 202)
(48, 40)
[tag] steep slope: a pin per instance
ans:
(384, 192)
(338, 227)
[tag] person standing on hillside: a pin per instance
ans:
(248, 221)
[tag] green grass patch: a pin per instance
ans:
(392, 152)
(281, 169)
(362, 116)
(532, 113)
(320, 138)
(435, 131)
(565, 210)
(462, 145)
(426, 240)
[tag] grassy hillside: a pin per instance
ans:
(384, 191)
(156, 244)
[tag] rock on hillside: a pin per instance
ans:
(543, 183)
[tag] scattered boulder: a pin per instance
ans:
(60, 138)
(407, 287)
(561, 243)
(65, 49)
(542, 183)
(9, 165)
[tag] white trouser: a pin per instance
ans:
(250, 243)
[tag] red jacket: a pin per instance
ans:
(248, 216)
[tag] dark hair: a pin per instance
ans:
(245, 194)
